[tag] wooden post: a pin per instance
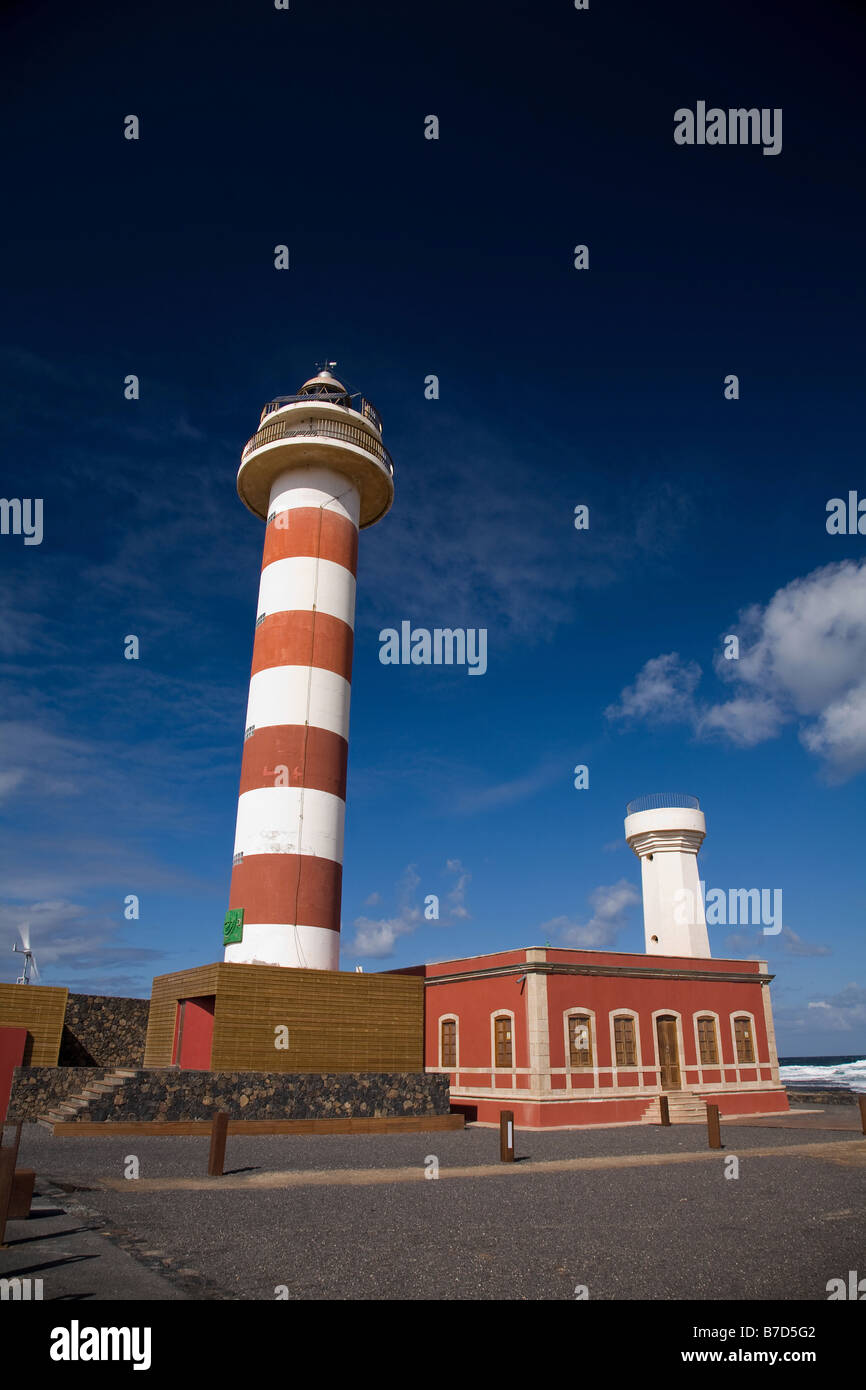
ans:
(664, 1111)
(17, 1140)
(506, 1136)
(8, 1159)
(862, 1101)
(714, 1133)
(217, 1156)
(7, 1173)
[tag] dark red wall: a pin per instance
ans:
(474, 1000)
(12, 1044)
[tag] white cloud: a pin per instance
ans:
(839, 735)
(69, 935)
(662, 692)
(809, 643)
(758, 945)
(802, 659)
(610, 905)
(793, 945)
(843, 1012)
(456, 909)
(745, 720)
(512, 791)
(376, 937)
(10, 780)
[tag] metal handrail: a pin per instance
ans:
(663, 801)
(364, 407)
(333, 429)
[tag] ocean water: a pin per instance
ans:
(837, 1073)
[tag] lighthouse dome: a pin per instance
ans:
(323, 383)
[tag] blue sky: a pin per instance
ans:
(558, 387)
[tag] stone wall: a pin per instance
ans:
(103, 1031)
(819, 1097)
(36, 1090)
(168, 1094)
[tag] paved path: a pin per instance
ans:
(85, 1159)
(845, 1117)
(851, 1154)
(71, 1253)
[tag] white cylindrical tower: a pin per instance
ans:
(316, 471)
(666, 833)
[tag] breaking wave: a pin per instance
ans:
(846, 1072)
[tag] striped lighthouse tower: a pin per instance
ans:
(315, 472)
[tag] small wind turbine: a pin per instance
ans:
(29, 958)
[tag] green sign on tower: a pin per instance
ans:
(233, 926)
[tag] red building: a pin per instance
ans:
(577, 1037)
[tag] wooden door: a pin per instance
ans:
(669, 1057)
(196, 1043)
(193, 1033)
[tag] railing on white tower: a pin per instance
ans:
(331, 429)
(663, 801)
(362, 405)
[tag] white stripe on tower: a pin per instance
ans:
(291, 808)
(282, 695)
(306, 583)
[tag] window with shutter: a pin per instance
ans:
(626, 1049)
(708, 1044)
(579, 1040)
(502, 1035)
(743, 1035)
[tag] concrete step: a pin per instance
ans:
(76, 1105)
(684, 1108)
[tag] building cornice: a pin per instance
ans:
(634, 972)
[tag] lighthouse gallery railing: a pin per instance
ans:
(332, 429)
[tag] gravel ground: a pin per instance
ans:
(680, 1231)
(91, 1158)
